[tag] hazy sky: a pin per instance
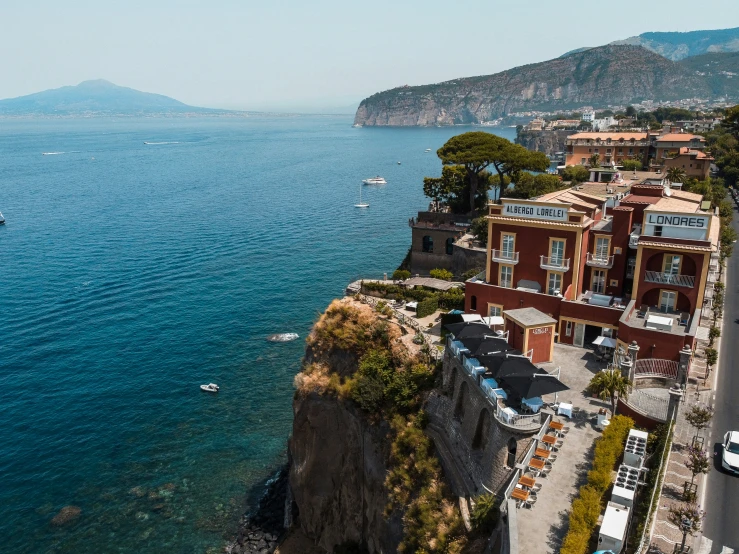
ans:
(295, 54)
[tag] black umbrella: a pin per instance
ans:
(489, 345)
(468, 330)
(517, 367)
(530, 386)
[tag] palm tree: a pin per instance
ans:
(608, 385)
(676, 175)
(594, 160)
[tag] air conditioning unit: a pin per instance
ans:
(636, 449)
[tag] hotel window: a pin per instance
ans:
(630, 267)
(667, 300)
(631, 151)
(554, 284)
(507, 244)
(599, 281)
(568, 329)
(582, 161)
(506, 276)
(428, 244)
(596, 150)
(620, 151)
(608, 150)
(601, 247)
(473, 303)
(557, 252)
(494, 310)
(658, 230)
(671, 264)
(450, 246)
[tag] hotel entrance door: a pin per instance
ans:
(579, 338)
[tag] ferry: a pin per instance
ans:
(375, 181)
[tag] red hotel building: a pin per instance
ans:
(634, 268)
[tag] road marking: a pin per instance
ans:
(705, 546)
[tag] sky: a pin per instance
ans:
(307, 55)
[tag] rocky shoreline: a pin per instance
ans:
(261, 530)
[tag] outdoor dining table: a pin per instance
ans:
(541, 453)
(556, 425)
(527, 482)
(565, 409)
(549, 439)
(536, 464)
(520, 494)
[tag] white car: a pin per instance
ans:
(730, 456)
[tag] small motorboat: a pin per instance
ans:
(2, 219)
(210, 387)
(282, 337)
(427, 150)
(375, 181)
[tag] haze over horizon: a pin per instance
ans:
(304, 57)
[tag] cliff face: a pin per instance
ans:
(338, 476)
(601, 76)
(548, 142)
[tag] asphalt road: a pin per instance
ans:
(722, 490)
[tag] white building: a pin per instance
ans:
(603, 124)
(588, 116)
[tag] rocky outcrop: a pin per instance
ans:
(608, 75)
(66, 515)
(548, 142)
(338, 475)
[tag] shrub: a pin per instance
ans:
(711, 357)
(484, 516)
(631, 165)
(469, 274)
(586, 507)
(713, 334)
(401, 274)
(427, 307)
(479, 229)
(443, 274)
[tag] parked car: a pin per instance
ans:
(730, 455)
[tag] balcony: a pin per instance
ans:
(634, 240)
(555, 264)
(599, 261)
(505, 257)
(669, 279)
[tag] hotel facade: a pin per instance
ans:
(634, 267)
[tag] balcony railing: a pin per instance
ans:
(669, 279)
(555, 264)
(505, 257)
(599, 261)
(634, 240)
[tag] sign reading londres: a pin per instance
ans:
(535, 212)
(669, 220)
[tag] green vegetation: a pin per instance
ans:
(715, 191)
(609, 385)
(713, 333)
(711, 357)
(472, 272)
(479, 230)
(631, 165)
(675, 175)
(687, 518)
(440, 273)
(453, 189)
(697, 463)
(587, 506)
(699, 416)
(576, 174)
(528, 185)
(452, 299)
(485, 514)
(594, 160)
(401, 275)
(427, 307)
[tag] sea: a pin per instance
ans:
(144, 257)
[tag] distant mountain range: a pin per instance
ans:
(652, 66)
(97, 97)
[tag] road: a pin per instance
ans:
(721, 526)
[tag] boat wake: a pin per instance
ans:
(58, 153)
(282, 337)
(158, 143)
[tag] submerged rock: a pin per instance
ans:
(66, 515)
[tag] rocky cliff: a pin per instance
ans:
(548, 142)
(608, 75)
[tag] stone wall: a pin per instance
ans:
(465, 258)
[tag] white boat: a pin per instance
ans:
(361, 204)
(210, 387)
(282, 337)
(375, 181)
(2, 219)
(427, 150)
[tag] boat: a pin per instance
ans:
(375, 181)
(361, 204)
(210, 387)
(2, 219)
(398, 163)
(282, 337)
(427, 150)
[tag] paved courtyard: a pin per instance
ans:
(542, 528)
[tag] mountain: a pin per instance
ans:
(719, 71)
(95, 97)
(678, 46)
(607, 75)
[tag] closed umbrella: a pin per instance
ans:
(528, 386)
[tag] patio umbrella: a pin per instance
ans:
(528, 386)
(520, 367)
(468, 330)
(480, 346)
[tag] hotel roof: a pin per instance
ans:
(611, 135)
(679, 137)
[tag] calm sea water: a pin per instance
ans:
(132, 273)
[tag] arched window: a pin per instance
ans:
(512, 447)
(473, 302)
(480, 440)
(461, 400)
(428, 244)
(449, 245)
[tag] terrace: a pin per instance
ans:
(661, 320)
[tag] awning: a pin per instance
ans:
(605, 341)
(471, 317)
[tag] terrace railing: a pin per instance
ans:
(555, 264)
(669, 279)
(655, 367)
(599, 261)
(504, 257)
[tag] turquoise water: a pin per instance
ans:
(132, 273)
